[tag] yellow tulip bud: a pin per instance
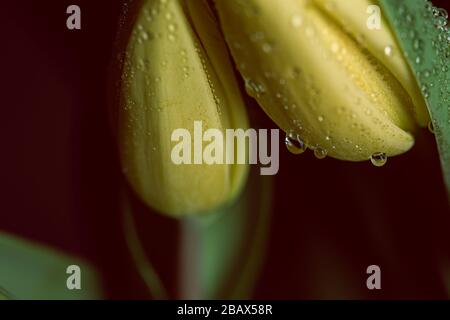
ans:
(177, 71)
(321, 74)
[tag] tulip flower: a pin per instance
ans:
(321, 71)
(324, 77)
(177, 71)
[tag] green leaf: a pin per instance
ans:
(422, 33)
(32, 271)
(222, 252)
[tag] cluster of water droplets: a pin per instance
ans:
(296, 145)
(431, 66)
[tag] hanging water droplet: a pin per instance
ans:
(431, 127)
(294, 143)
(320, 153)
(378, 159)
(443, 13)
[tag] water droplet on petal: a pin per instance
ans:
(388, 51)
(296, 21)
(267, 47)
(294, 143)
(431, 126)
(320, 153)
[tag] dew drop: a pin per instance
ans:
(409, 19)
(320, 153)
(334, 47)
(378, 159)
(425, 91)
(309, 32)
(294, 143)
(296, 21)
(171, 27)
(388, 51)
(253, 88)
(267, 47)
(443, 13)
(431, 126)
(417, 44)
(257, 36)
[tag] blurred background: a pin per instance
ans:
(61, 185)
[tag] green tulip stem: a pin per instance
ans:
(143, 264)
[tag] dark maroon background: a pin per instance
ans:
(60, 179)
